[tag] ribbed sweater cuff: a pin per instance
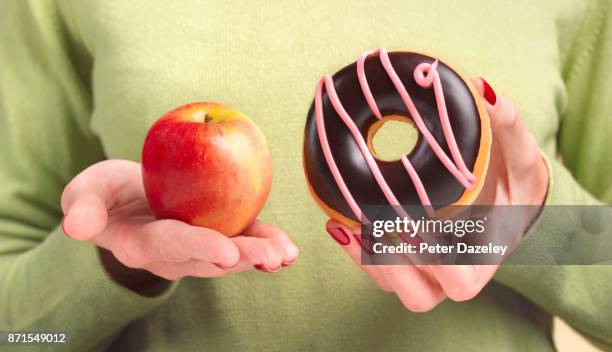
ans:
(80, 297)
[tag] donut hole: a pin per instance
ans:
(391, 137)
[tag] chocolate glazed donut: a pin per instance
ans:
(448, 163)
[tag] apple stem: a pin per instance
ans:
(207, 118)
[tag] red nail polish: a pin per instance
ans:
(489, 93)
(225, 267)
(287, 263)
(264, 269)
(339, 235)
(362, 245)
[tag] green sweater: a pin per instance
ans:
(82, 81)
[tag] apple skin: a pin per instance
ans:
(208, 165)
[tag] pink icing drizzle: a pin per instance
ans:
(425, 75)
(361, 143)
(328, 155)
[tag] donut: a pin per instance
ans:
(448, 163)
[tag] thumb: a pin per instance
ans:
(88, 197)
(85, 217)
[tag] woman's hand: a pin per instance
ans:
(517, 175)
(106, 205)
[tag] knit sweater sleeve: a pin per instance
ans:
(49, 282)
(581, 173)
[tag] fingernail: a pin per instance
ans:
(266, 270)
(289, 262)
(489, 93)
(339, 235)
(362, 245)
(228, 268)
(291, 251)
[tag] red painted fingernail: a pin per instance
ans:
(339, 235)
(228, 268)
(362, 245)
(266, 270)
(289, 262)
(489, 93)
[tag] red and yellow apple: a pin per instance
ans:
(207, 164)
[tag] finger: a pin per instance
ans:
(463, 282)
(277, 238)
(193, 267)
(87, 199)
(510, 135)
(416, 292)
(504, 115)
(262, 253)
(350, 242)
(140, 243)
(484, 274)
(177, 271)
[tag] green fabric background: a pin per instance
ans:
(81, 81)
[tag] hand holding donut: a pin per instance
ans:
(106, 205)
(517, 175)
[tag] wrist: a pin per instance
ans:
(540, 193)
(140, 281)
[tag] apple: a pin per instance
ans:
(208, 165)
